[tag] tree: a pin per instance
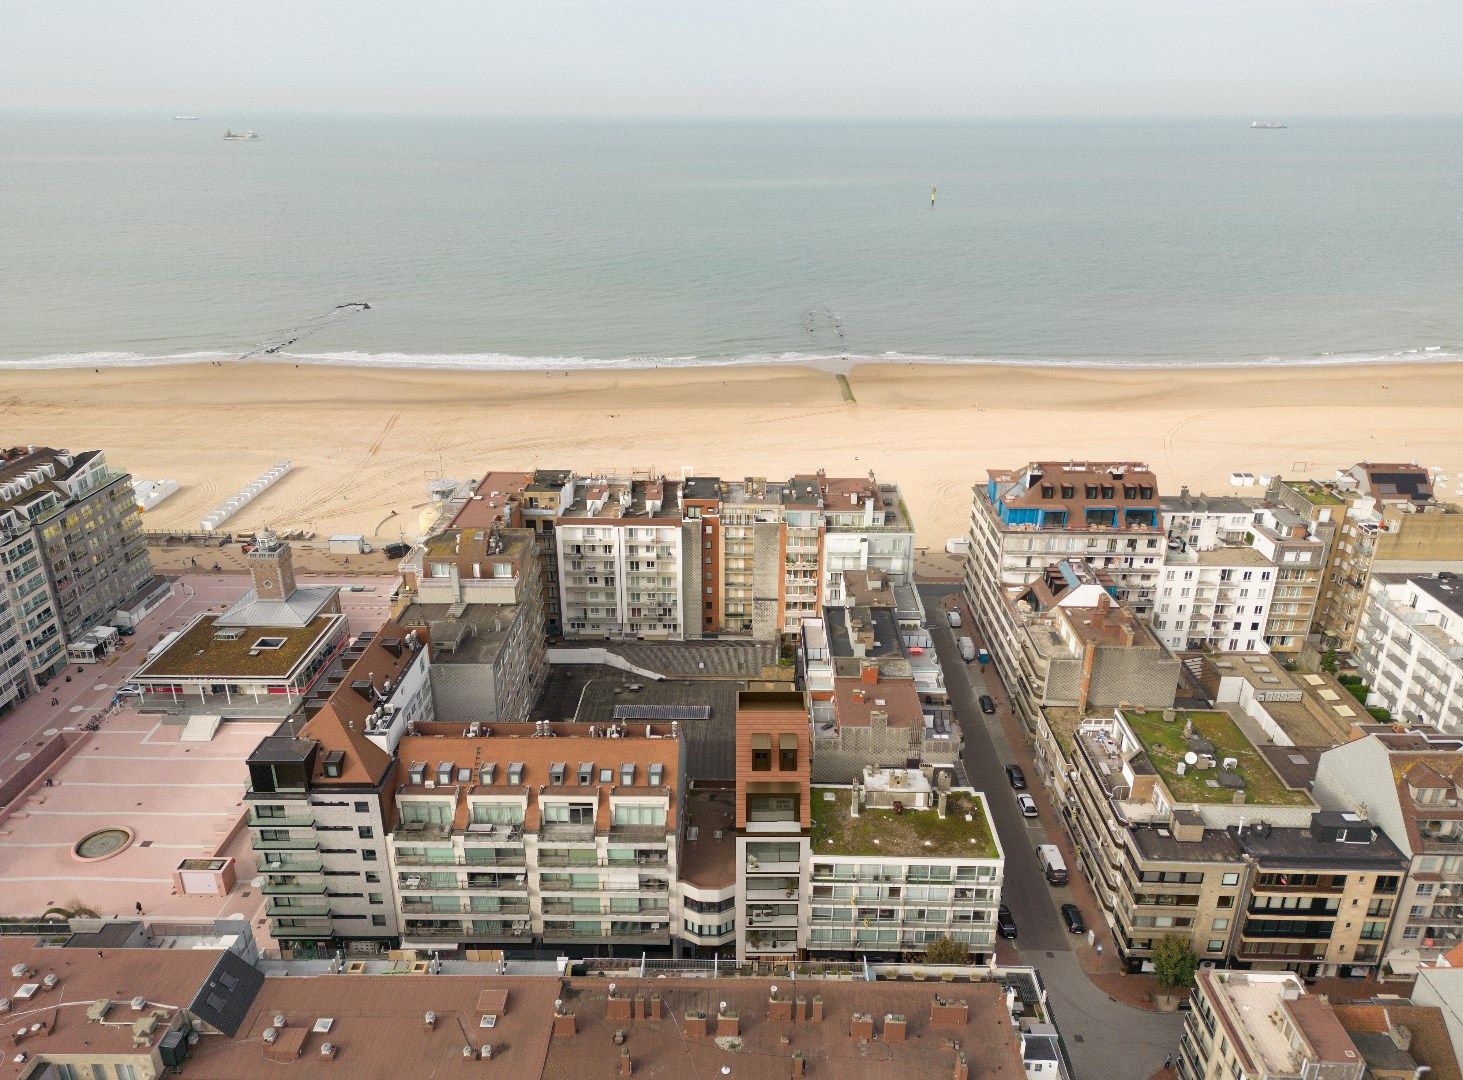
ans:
(1174, 962)
(1330, 661)
(944, 950)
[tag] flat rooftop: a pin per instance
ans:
(179, 800)
(1165, 745)
(262, 652)
(708, 862)
(910, 835)
(1312, 708)
(1314, 493)
(705, 708)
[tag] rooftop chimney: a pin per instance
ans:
(861, 1026)
(625, 1067)
(893, 1028)
(869, 673)
(962, 1067)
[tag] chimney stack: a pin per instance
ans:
(696, 1025)
(727, 1024)
(797, 1065)
(625, 1067)
(962, 1067)
(817, 1009)
(869, 673)
(861, 1026)
(893, 1028)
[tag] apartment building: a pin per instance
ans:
(622, 574)
(1393, 524)
(773, 819)
(1203, 522)
(563, 835)
(1216, 598)
(259, 659)
(1153, 830)
(1409, 783)
(319, 796)
(1066, 640)
(1299, 554)
(480, 596)
(877, 868)
(1318, 900)
(1023, 520)
(1183, 827)
(899, 859)
(1247, 1025)
(72, 551)
(1409, 647)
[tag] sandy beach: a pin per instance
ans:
(365, 442)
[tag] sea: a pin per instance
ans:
(531, 244)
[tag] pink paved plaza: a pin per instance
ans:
(181, 800)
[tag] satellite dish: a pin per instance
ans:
(1191, 758)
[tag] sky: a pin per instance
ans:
(775, 58)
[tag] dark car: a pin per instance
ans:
(1073, 918)
(396, 551)
(1005, 925)
(1016, 776)
(987, 706)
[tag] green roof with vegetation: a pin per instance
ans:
(1164, 743)
(1317, 494)
(199, 652)
(912, 834)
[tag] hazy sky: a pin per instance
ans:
(736, 57)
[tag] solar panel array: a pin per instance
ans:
(662, 712)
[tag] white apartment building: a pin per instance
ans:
(1217, 598)
(620, 563)
(1409, 647)
(1263, 1025)
(317, 817)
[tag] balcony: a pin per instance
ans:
(300, 908)
(293, 843)
(298, 864)
(638, 834)
(296, 888)
(552, 936)
(567, 833)
(307, 928)
(297, 820)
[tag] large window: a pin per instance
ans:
(641, 814)
(565, 813)
(787, 755)
(761, 753)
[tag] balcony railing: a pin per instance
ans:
(293, 843)
(300, 820)
(303, 909)
(272, 888)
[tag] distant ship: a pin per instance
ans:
(185, 118)
(240, 135)
(1267, 125)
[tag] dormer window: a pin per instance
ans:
(444, 773)
(627, 774)
(334, 763)
(607, 776)
(486, 772)
(464, 774)
(586, 774)
(556, 773)
(417, 774)
(515, 773)
(657, 775)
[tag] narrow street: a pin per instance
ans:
(1105, 1037)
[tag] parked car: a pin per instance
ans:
(129, 691)
(1005, 924)
(1027, 804)
(1016, 776)
(1073, 918)
(987, 705)
(953, 617)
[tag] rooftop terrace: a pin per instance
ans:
(907, 835)
(1315, 494)
(1164, 743)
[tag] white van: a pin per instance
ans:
(1052, 864)
(967, 649)
(954, 617)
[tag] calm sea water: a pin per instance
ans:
(525, 243)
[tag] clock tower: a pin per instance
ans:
(272, 567)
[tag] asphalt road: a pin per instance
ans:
(1025, 891)
(1105, 1038)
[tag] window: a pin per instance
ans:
(761, 753)
(1229, 879)
(627, 774)
(367, 855)
(1221, 924)
(373, 878)
(363, 808)
(787, 756)
(556, 773)
(365, 832)
(375, 898)
(334, 762)
(269, 643)
(378, 920)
